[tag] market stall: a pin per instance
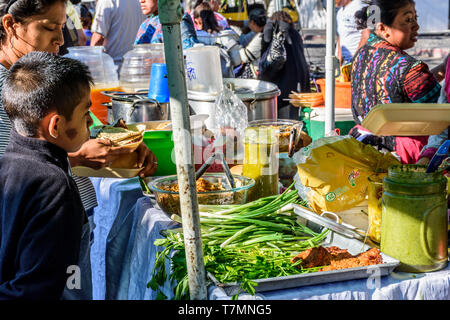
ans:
(128, 224)
(133, 214)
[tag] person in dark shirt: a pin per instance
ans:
(43, 233)
(294, 73)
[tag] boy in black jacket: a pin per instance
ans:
(47, 99)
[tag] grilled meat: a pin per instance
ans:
(335, 258)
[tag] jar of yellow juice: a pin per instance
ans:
(261, 161)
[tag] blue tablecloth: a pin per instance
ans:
(113, 221)
(123, 254)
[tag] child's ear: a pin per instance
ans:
(53, 121)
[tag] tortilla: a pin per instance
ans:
(120, 136)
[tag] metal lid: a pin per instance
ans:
(125, 96)
(251, 89)
(245, 89)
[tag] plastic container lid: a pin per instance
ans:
(281, 126)
(407, 119)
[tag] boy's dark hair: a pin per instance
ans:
(21, 10)
(41, 82)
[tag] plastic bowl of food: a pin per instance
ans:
(212, 189)
(283, 128)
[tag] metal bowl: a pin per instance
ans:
(135, 107)
(169, 201)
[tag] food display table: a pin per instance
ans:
(123, 254)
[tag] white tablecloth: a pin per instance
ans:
(123, 254)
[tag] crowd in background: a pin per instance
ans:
(245, 47)
(118, 25)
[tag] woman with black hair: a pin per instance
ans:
(383, 73)
(205, 19)
(214, 5)
(251, 53)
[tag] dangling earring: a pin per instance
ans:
(10, 43)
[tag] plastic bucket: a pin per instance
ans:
(343, 121)
(161, 144)
(203, 70)
(342, 93)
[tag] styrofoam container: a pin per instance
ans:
(407, 119)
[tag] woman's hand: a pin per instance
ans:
(96, 154)
(147, 159)
(439, 71)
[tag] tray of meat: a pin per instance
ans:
(339, 257)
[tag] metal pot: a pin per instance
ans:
(260, 97)
(135, 107)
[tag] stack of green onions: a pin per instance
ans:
(242, 243)
(257, 223)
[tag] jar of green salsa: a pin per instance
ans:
(414, 218)
(261, 161)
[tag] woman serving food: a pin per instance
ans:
(26, 26)
(383, 73)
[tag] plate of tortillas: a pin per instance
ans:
(126, 165)
(130, 137)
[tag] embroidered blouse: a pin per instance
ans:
(382, 74)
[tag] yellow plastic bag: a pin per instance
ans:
(333, 171)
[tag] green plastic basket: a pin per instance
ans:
(305, 115)
(161, 144)
(96, 123)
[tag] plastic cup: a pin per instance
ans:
(159, 85)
